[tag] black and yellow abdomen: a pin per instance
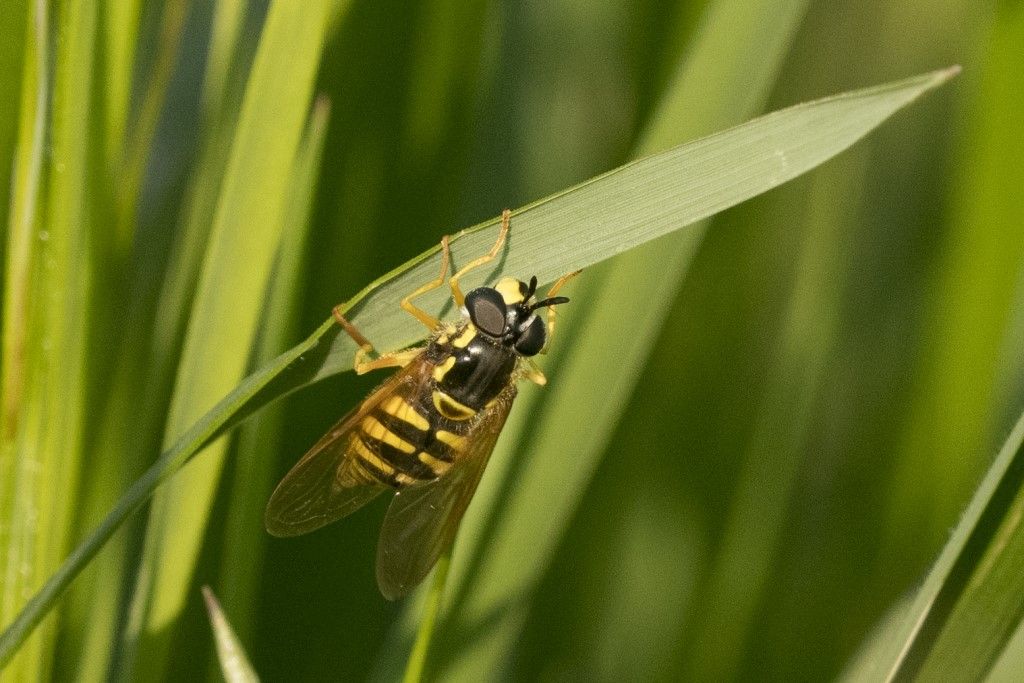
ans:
(414, 437)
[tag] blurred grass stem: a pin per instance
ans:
(428, 622)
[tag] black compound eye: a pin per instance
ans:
(486, 309)
(532, 337)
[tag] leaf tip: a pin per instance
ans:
(212, 606)
(950, 72)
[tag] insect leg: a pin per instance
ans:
(360, 363)
(551, 309)
(418, 313)
(453, 282)
(534, 374)
(387, 360)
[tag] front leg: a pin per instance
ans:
(534, 373)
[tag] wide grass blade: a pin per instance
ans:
(259, 441)
(150, 337)
(222, 325)
(57, 301)
(576, 228)
(635, 203)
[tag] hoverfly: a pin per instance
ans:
(428, 430)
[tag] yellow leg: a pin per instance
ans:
(421, 315)
(453, 282)
(393, 359)
(534, 374)
(551, 309)
(385, 360)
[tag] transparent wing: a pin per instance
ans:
(423, 519)
(326, 484)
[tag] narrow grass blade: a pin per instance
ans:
(234, 663)
(576, 228)
(138, 145)
(973, 599)
(417, 663)
(228, 22)
(12, 60)
(119, 27)
(236, 269)
(967, 604)
(295, 365)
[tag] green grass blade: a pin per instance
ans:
(119, 31)
(12, 68)
(581, 226)
(21, 248)
(49, 436)
(990, 609)
(970, 603)
(294, 364)
(236, 269)
(1009, 665)
(546, 485)
(638, 202)
(150, 339)
(969, 307)
(234, 663)
(259, 441)
(137, 147)
(228, 22)
(740, 571)
(417, 663)
(973, 599)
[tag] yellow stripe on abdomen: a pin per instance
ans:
(370, 457)
(457, 443)
(372, 428)
(401, 409)
(437, 466)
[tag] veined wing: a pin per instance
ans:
(332, 480)
(423, 518)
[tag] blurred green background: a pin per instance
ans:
(838, 364)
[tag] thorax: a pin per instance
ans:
(470, 368)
